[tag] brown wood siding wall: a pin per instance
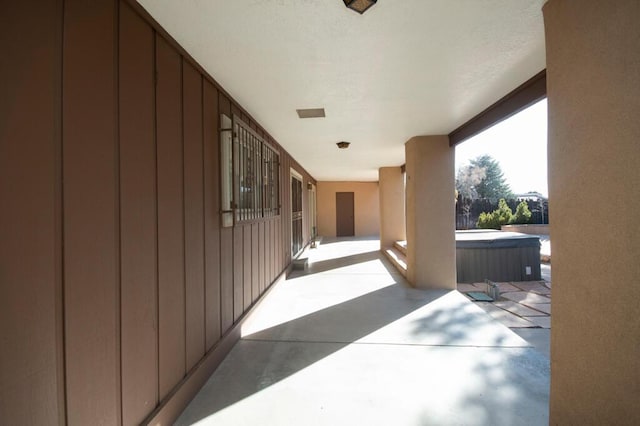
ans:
(117, 279)
(90, 212)
(31, 361)
(138, 217)
(210, 159)
(171, 288)
(194, 214)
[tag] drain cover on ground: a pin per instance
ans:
(479, 296)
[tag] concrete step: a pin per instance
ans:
(398, 259)
(401, 246)
(300, 264)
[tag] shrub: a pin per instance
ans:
(522, 214)
(494, 220)
(486, 221)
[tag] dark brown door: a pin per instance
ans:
(345, 226)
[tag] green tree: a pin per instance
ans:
(493, 185)
(522, 214)
(494, 220)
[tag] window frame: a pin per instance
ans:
(250, 174)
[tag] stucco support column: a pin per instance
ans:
(593, 87)
(392, 218)
(430, 192)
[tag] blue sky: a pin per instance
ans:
(519, 144)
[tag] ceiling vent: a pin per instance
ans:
(311, 113)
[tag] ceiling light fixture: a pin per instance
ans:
(343, 145)
(359, 6)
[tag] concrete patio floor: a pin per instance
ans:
(348, 342)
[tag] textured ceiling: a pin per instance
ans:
(404, 68)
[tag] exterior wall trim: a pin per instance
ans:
(170, 408)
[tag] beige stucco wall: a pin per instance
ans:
(366, 207)
(593, 72)
(430, 194)
(392, 216)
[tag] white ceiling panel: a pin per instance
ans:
(404, 68)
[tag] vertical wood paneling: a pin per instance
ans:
(284, 184)
(226, 279)
(261, 246)
(193, 213)
(90, 213)
(246, 266)
(285, 229)
(284, 226)
(171, 297)
(278, 251)
(273, 253)
(267, 252)
(238, 284)
(305, 210)
(137, 217)
(271, 248)
(128, 133)
(261, 258)
(211, 161)
(226, 251)
(31, 381)
(276, 246)
(255, 263)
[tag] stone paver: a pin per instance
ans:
(519, 309)
(535, 287)
(466, 288)
(507, 287)
(505, 317)
(522, 306)
(542, 307)
(527, 285)
(544, 291)
(544, 322)
(526, 298)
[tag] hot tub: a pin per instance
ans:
(497, 256)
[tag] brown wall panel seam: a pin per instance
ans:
(184, 220)
(204, 215)
(146, 16)
(60, 288)
(118, 210)
(218, 217)
(62, 193)
(155, 142)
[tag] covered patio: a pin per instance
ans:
(160, 171)
(348, 341)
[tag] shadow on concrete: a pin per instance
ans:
(506, 386)
(337, 263)
(515, 378)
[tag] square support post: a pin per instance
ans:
(430, 192)
(392, 215)
(593, 88)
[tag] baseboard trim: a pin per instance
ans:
(177, 400)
